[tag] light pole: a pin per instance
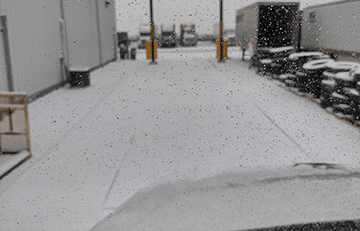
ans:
(152, 26)
(221, 32)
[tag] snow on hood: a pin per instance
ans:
(303, 193)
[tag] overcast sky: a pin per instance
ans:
(204, 13)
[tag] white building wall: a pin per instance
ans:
(39, 39)
(90, 32)
(82, 35)
(107, 27)
(34, 42)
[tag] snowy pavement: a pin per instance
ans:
(139, 125)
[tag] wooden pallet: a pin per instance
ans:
(14, 131)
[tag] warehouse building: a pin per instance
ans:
(42, 41)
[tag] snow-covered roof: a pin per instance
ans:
(187, 35)
(168, 28)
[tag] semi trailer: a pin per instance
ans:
(267, 25)
(333, 28)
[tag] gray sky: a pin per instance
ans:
(204, 13)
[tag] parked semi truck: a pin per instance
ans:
(267, 25)
(167, 36)
(226, 27)
(188, 35)
(145, 34)
(332, 28)
(230, 36)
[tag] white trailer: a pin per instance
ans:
(267, 25)
(333, 28)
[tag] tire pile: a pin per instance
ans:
(335, 84)
(270, 60)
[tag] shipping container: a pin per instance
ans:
(267, 25)
(333, 28)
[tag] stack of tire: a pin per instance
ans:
(311, 80)
(271, 61)
(260, 54)
(355, 93)
(295, 73)
(338, 88)
(264, 67)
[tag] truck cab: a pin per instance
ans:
(188, 36)
(145, 34)
(230, 36)
(168, 36)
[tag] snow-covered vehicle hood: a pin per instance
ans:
(266, 197)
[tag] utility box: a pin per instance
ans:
(79, 78)
(267, 25)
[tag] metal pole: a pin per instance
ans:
(152, 33)
(221, 30)
(4, 30)
(98, 30)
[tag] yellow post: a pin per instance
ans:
(224, 49)
(149, 50)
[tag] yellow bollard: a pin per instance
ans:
(149, 50)
(224, 50)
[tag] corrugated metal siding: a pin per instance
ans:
(82, 33)
(34, 37)
(333, 27)
(107, 29)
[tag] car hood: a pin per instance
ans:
(268, 197)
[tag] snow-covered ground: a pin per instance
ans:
(139, 125)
